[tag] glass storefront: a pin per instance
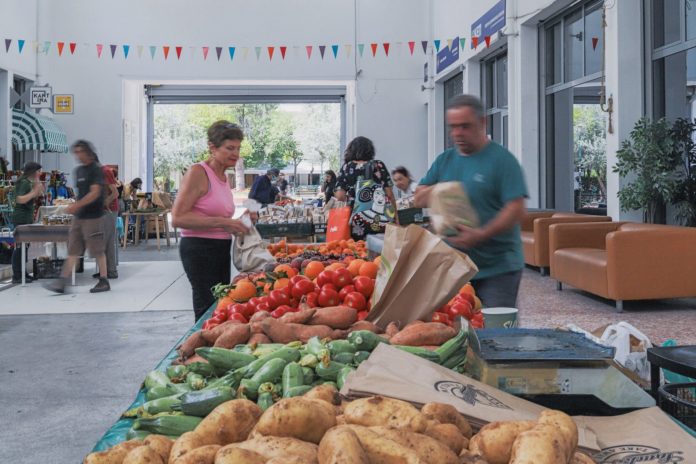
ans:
(495, 97)
(453, 86)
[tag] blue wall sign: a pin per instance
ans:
(448, 55)
(490, 23)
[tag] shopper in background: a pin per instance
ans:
(3, 167)
(495, 185)
(130, 193)
(328, 187)
(404, 183)
(203, 211)
(87, 230)
(27, 189)
(282, 185)
(263, 189)
(110, 217)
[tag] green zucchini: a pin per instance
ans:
(201, 403)
(271, 371)
(315, 346)
(205, 369)
(223, 358)
(448, 349)
(309, 360)
(266, 349)
(267, 387)
(265, 400)
(177, 373)
(342, 375)
(343, 358)
(195, 381)
(421, 352)
(160, 392)
(286, 354)
(308, 375)
(341, 346)
(455, 360)
(293, 376)
(329, 371)
(360, 356)
(296, 391)
(245, 349)
(156, 379)
(136, 434)
(330, 382)
(168, 425)
(364, 340)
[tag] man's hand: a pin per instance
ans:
(468, 237)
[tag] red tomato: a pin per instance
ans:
(461, 308)
(325, 277)
(330, 287)
(312, 299)
(263, 307)
(302, 287)
(468, 297)
(444, 308)
(364, 285)
(362, 315)
(328, 297)
(278, 298)
(238, 317)
(298, 278)
(222, 313)
(345, 291)
(279, 312)
(286, 309)
(441, 317)
(342, 277)
(477, 321)
(254, 302)
(210, 324)
(356, 300)
(263, 299)
(245, 309)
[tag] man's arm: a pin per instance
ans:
(95, 191)
(111, 195)
(508, 217)
(422, 196)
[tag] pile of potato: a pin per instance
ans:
(320, 428)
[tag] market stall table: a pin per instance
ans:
(40, 233)
(147, 216)
(677, 359)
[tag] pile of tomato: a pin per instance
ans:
(465, 304)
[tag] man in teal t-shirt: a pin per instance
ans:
(493, 179)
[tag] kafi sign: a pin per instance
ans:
(40, 97)
(448, 55)
(63, 104)
(488, 24)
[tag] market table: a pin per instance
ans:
(148, 216)
(677, 359)
(40, 233)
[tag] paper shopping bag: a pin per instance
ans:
(418, 273)
(337, 228)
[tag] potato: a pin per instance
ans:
(114, 455)
(378, 410)
(494, 441)
(450, 435)
(427, 448)
(468, 457)
(280, 447)
(326, 393)
(341, 420)
(203, 455)
(447, 414)
(582, 458)
(161, 444)
(341, 445)
(565, 424)
(188, 441)
(230, 422)
(288, 460)
(306, 420)
(143, 455)
(228, 455)
(544, 444)
(381, 450)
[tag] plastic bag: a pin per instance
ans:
(631, 347)
(249, 252)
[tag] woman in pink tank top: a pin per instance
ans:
(203, 211)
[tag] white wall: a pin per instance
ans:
(388, 103)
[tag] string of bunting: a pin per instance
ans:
(373, 49)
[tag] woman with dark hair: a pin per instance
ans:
(404, 183)
(328, 187)
(363, 165)
(27, 189)
(203, 211)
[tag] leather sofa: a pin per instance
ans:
(625, 260)
(535, 234)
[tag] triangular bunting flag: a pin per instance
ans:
(488, 41)
(100, 47)
(411, 46)
(474, 42)
(46, 47)
(126, 50)
(8, 42)
(424, 44)
(113, 50)
(36, 46)
(153, 50)
(449, 43)
(322, 49)
(245, 52)
(140, 51)
(178, 52)
(270, 53)
(165, 49)
(309, 51)
(218, 51)
(283, 49)
(437, 44)
(461, 43)
(386, 48)
(349, 49)
(73, 45)
(373, 46)
(205, 53)
(334, 48)
(258, 53)
(595, 41)
(61, 46)
(20, 45)
(361, 49)
(231, 50)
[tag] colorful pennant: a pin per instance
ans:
(205, 53)
(8, 42)
(231, 50)
(349, 50)
(386, 48)
(334, 48)
(361, 49)
(73, 46)
(373, 46)
(218, 51)
(411, 46)
(283, 49)
(126, 50)
(113, 50)
(153, 51)
(309, 51)
(165, 49)
(437, 44)
(60, 45)
(488, 40)
(178, 52)
(100, 47)
(270, 53)
(461, 43)
(322, 49)
(475, 42)
(595, 41)
(424, 44)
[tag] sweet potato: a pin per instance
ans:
(258, 339)
(450, 435)
(336, 317)
(203, 455)
(188, 348)
(280, 332)
(300, 317)
(193, 359)
(428, 333)
(259, 316)
(210, 336)
(365, 325)
(447, 414)
(392, 329)
(339, 334)
(233, 335)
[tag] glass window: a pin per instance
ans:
(674, 86)
(666, 22)
(573, 47)
(690, 6)
(501, 82)
(490, 86)
(452, 87)
(553, 55)
(593, 40)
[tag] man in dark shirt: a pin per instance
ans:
(87, 229)
(263, 190)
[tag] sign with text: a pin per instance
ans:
(448, 55)
(488, 24)
(40, 97)
(63, 104)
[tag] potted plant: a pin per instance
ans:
(651, 159)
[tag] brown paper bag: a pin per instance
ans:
(419, 273)
(450, 207)
(647, 435)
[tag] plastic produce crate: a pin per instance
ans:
(679, 401)
(47, 268)
(285, 230)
